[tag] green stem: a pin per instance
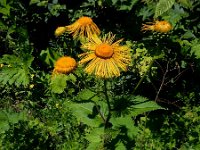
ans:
(140, 81)
(108, 103)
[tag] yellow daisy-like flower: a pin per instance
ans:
(104, 57)
(83, 27)
(158, 26)
(64, 65)
(59, 31)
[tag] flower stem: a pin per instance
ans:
(108, 103)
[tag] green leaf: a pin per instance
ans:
(7, 118)
(49, 56)
(125, 121)
(94, 136)
(142, 105)
(71, 78)
(34, 2)
(129, 5)
(120, 146)
(87, 95)
(163, 6)
(5, 11)
(83, 111)
(17, 70)
(186, 3)
(58, 83)
(196, 50)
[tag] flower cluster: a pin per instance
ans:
(103, 56)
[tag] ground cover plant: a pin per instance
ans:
(99, 74)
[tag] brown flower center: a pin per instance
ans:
(85, 20)
(104, 51)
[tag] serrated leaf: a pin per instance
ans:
(58, 83)
(82, 111)
(17, 71)
(163, 6)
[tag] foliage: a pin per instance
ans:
(153, 105)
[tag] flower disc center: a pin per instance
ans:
(104, 51)
(85, 20)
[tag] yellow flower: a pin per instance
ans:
(83, 27)
(64, 65)
(158, 26)
(59, 31)
(104, 57)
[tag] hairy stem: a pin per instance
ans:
(108, 104)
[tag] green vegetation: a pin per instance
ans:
(153, 105)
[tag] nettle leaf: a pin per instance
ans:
(84, 113)
(58, 83)
(163, 6)
(16, 71)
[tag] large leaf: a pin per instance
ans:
(83, 112)
(95, 138)
(87, 95)
(143, 105)
(163, 6)
(124, 121)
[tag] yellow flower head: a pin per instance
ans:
(59, 31)
(64, 65)
(104, 57)
(83, 27)
(158, 26)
